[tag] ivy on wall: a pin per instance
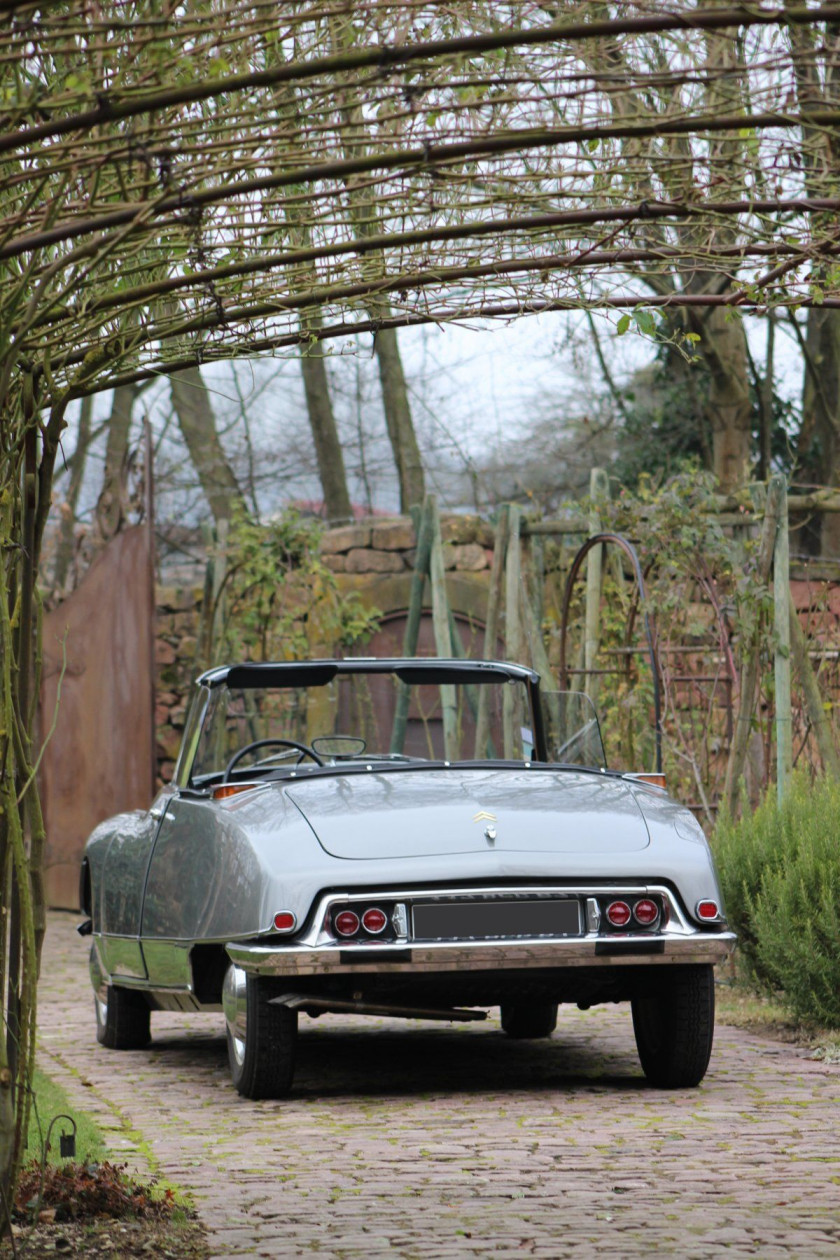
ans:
(279, 600)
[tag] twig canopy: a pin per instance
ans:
(182, 183)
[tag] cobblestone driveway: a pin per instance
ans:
(451, 1141)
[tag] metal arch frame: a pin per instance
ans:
(630, 551)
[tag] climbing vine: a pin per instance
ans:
(706, 604)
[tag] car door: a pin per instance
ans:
(122, 886)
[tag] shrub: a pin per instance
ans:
(780, 873)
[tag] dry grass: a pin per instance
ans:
(741, 1006)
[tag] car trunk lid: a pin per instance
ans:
(414, 813)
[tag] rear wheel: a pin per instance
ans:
(529, 1020)
(675, 1027)
(122, 1018)
(261, 1037)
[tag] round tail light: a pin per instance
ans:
(374, 920)
(646, 912)
(346, 922)
(707, 910)
(618, 913)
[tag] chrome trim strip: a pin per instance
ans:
(149, 986)
(399, 920)
(678, 924)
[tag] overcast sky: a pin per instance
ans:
(472, 388)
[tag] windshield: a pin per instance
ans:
(366, 716)
(572, 731)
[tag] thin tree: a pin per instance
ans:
(66, 543)
(366, 222)
(197, 422)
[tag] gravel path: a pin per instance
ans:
(418, 1140)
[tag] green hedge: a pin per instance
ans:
(780, 872)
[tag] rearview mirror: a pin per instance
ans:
(339, 746)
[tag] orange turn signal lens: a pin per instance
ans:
(658, 780)
(224, 790)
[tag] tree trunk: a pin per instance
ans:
(729, 411)
(364, 216)
(331, 470)
(337, 506)
(815, 72)
(398, 418)
(110, 508)
(67, 534)
(723, 345)
(821, 413)
(198, 426)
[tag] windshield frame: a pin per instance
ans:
(319, 673)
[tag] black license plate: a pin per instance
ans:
(491, 920)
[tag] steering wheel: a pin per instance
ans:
(303, 749)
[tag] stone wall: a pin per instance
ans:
(387, 546)
(178, 619)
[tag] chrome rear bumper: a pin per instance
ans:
(318, 953)
(476, 956)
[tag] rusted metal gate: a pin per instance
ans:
(99, 654)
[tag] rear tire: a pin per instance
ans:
(261, 1038)
(529, 1020)
(122, 1019)
(675, 1028)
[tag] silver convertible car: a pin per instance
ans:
(411, 837)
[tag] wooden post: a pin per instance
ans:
(750, 652)
(205, 627)
(418, 579)
(534, 578)
(599, 492)
(531, 604)
(443, 640)
(491, 625)
(513, 577)
(219, 579)
(497, 572)
(423, 528)
(536, 569)
(213, 601)
(781, 664)
(514, 647)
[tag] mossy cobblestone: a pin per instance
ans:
(416, 1140)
